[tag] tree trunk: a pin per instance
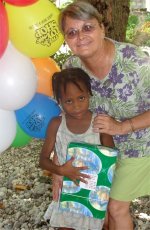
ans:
(116, 13)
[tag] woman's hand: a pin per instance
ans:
(106, 124)
(73, 173)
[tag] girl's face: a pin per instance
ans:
(75, 102)
(84, 37)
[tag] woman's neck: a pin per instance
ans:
(100, 64)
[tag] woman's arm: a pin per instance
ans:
(139, 122)
(106, 124)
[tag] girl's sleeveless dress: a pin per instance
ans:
(69, 219)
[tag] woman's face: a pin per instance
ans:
(84, 37)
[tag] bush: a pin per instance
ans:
(133, 21)
(138, 29)
(62, 55)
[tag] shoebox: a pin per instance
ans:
(89, 199)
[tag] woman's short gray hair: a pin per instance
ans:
(81, 10)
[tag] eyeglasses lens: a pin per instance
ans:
(86, 29)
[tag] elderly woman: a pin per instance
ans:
(120, 82)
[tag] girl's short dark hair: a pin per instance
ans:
(70, 75)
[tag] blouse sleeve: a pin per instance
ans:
(144, 82)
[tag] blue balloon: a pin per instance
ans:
(36, 115)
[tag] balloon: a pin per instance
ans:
(18, 79)
(45, 68)
(21, 138)
(21, 2)
(7, 129)
(3, 29)
(35, 116)
(34, 29)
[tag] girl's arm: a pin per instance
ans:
(48, 147)
(66, 169)
(106, 140)
(57, 181)
(106, 124)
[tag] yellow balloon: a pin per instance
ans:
(34, 29)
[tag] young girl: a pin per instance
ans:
(72, 90)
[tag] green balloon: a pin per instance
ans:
(21, 138)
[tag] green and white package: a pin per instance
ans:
(89, 199)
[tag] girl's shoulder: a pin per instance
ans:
(54, 124)
(56, 121)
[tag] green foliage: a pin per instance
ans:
(66, 3)
(146, 27)
(147, 18)
(138, 29)
(133, 21)
(61, 56)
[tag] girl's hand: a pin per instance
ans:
(74, 173)
(105, 124)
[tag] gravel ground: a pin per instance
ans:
(25, 192)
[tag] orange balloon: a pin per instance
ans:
(45, 68)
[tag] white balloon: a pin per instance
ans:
(8, 126)
(18, 79)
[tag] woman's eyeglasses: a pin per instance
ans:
(74, 33)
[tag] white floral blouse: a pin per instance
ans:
(123, 94)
